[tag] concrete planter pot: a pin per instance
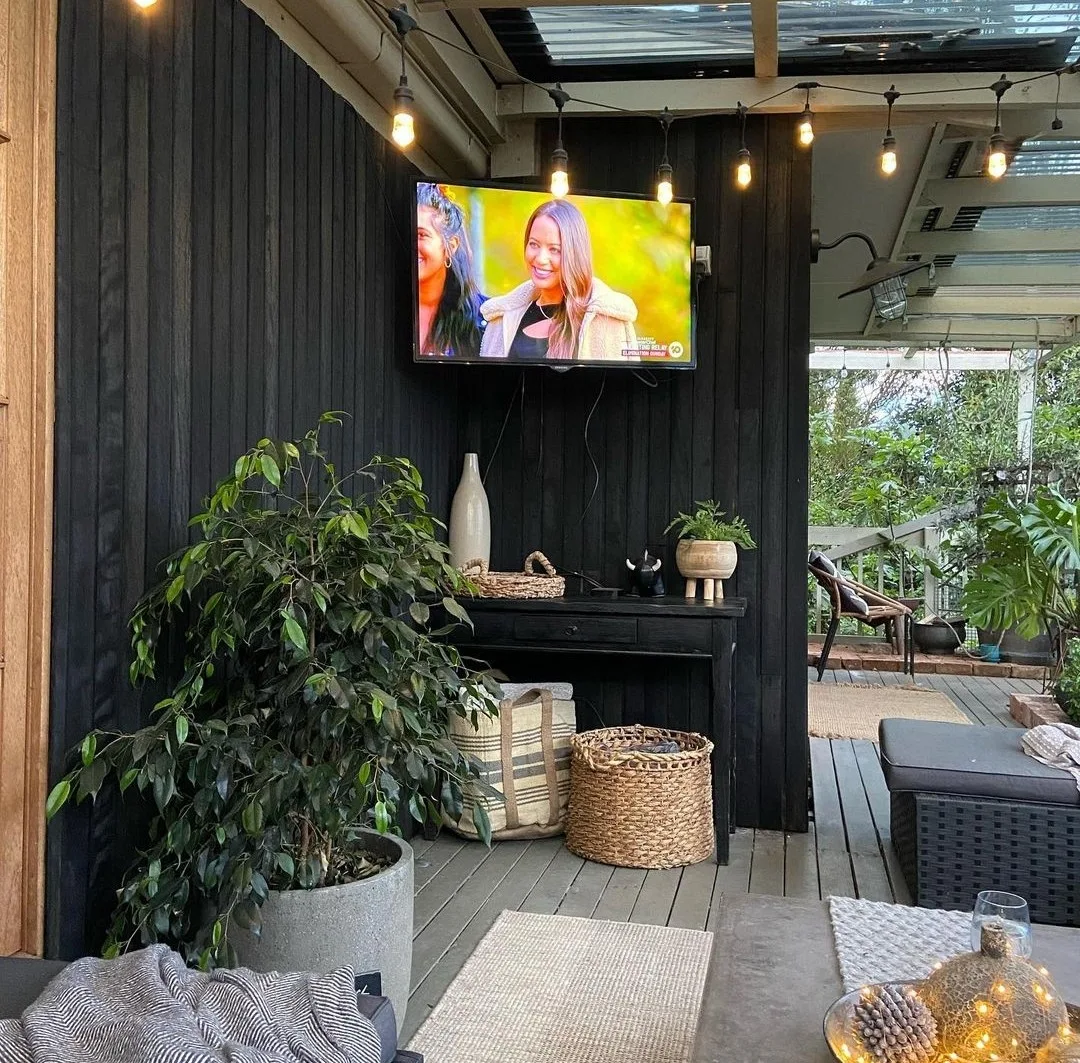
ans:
(366, 925)
(710, 560)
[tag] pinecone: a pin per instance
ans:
(894, 1025)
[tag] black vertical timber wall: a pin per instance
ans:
(231, 247)
(231, 240)
(735, 430)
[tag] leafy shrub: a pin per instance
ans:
(1067, 686)
(314, 698)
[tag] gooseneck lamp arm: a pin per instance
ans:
(816, 246)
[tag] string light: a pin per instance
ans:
(743, 173)
(997, 161)
(664, 190)
(804, 131)
(403, 131)
(560, 180)
(888, 143)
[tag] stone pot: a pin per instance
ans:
(710, 560)
(366, 925)
(939, 637)
(1018, 650)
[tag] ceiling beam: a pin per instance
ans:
(486, 45)
(1013, 276)
(953, 193)
(991, 241)
(764, 19)
(691, 96)
(924, 360)
(973, 332)
(1062, 304)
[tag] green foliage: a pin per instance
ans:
(707, 522)
(1027, 579)
(1067, 686)
(314, 699)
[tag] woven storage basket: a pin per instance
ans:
(635, 809)
(525, 584)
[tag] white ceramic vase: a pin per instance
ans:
(470, 517)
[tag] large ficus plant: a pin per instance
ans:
(1027, 579)
(314, 697)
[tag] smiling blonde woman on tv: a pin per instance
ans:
(562, 312)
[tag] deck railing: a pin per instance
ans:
(868, 552)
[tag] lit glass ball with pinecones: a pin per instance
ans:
(894, 1025)
(992, 1006)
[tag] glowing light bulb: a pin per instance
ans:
(888, 155)
(997, 162)
(743, 174)
(403, 132)
(665, 192)
(145, 3)
(560, 180)
(804, 131)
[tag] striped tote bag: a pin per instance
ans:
(524, 754)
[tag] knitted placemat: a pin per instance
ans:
(879, 942)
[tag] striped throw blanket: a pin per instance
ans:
(1055, 744)
(147, 1007)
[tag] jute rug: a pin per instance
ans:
(557, 989)
(855, 712)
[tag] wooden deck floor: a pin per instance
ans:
(461, 887)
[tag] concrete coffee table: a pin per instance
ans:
(774, 973)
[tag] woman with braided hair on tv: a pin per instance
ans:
(562, 312)
(448, 300)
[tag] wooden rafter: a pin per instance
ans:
(765, 21)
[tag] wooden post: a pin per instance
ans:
(691, 588)
(719, 595)
(708, 592)
(28, 290)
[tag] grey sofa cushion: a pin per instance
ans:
(950, 758)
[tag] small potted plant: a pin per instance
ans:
(311, 711)
(707, 547)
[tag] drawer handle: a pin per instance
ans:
(572, 629)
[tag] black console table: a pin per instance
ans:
(643, 627)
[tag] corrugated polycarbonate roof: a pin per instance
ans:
(581, 34)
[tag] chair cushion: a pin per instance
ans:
(818, 560)
(850, 602)
(951, 758)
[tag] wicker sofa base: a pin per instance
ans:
(951, 847)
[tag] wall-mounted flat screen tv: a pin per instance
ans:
(508, 276)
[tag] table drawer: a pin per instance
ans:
(579, 630)
(667, 635)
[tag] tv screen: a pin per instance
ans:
(507, 276)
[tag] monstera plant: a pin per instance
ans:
(1027, 579)
(312, 701)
